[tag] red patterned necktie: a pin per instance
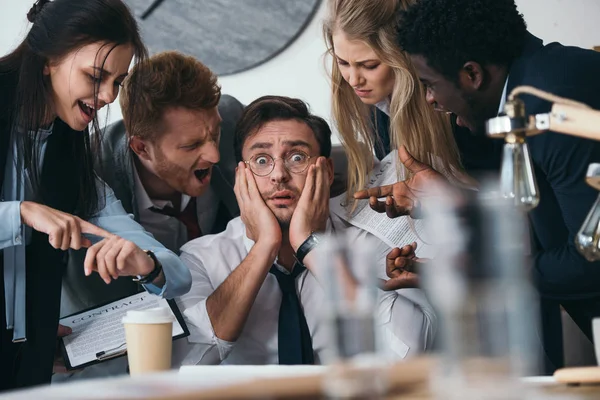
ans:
(188, 217)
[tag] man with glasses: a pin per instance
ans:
(254, 297)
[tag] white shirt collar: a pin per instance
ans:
(384, 106)
(503, 98)
(145, 202)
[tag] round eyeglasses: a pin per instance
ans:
(263, 164)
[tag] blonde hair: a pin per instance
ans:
(426, 133)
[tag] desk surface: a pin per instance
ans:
(408, 380)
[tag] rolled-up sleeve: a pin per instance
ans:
(209, 348)
(407, 320)
(113, 218)
(11, 228)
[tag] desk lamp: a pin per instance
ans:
(517, 178)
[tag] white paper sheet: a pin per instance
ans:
(100, 329)
(395, 232)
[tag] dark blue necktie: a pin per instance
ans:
(295, 344)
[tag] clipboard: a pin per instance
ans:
(109, 315)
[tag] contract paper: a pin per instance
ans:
(99, 334)
(395, 232)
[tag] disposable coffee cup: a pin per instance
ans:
(148, 334)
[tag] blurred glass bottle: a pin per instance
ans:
(478, 285)
(347, 272)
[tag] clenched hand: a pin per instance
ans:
(402, 267)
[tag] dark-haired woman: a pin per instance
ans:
(70, 65)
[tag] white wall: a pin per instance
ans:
(13, 23)
(299, 70)
(571, 22)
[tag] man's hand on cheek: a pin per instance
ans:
(261, 224)
(312, 210)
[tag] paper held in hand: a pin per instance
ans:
(98, 333)
(395, 232)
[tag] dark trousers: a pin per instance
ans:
(30, 363)
(552, 336)
(582, 312)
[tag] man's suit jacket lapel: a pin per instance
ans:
(223, 177)
(129, 170)
(222, 185)
(117, 167)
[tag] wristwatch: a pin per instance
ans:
(153, 274)
(310, 243)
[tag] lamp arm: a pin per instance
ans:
(575, 121)
(567, 116)
(552, 98)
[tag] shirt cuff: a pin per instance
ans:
(202, 332)
(152, 288)
(14, 216)
(178, 279)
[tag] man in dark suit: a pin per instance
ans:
(470, 54)
(171, 163)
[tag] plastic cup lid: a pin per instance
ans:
(159, 315)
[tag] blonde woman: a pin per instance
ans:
(379, 104)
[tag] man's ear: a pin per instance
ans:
(472, 75)
(140, 147)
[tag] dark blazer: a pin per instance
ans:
(561, 162)
(116, 169)
(561, 274)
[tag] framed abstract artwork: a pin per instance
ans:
(229, 36)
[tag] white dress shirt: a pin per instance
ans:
(503, 98)
(407, 319)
